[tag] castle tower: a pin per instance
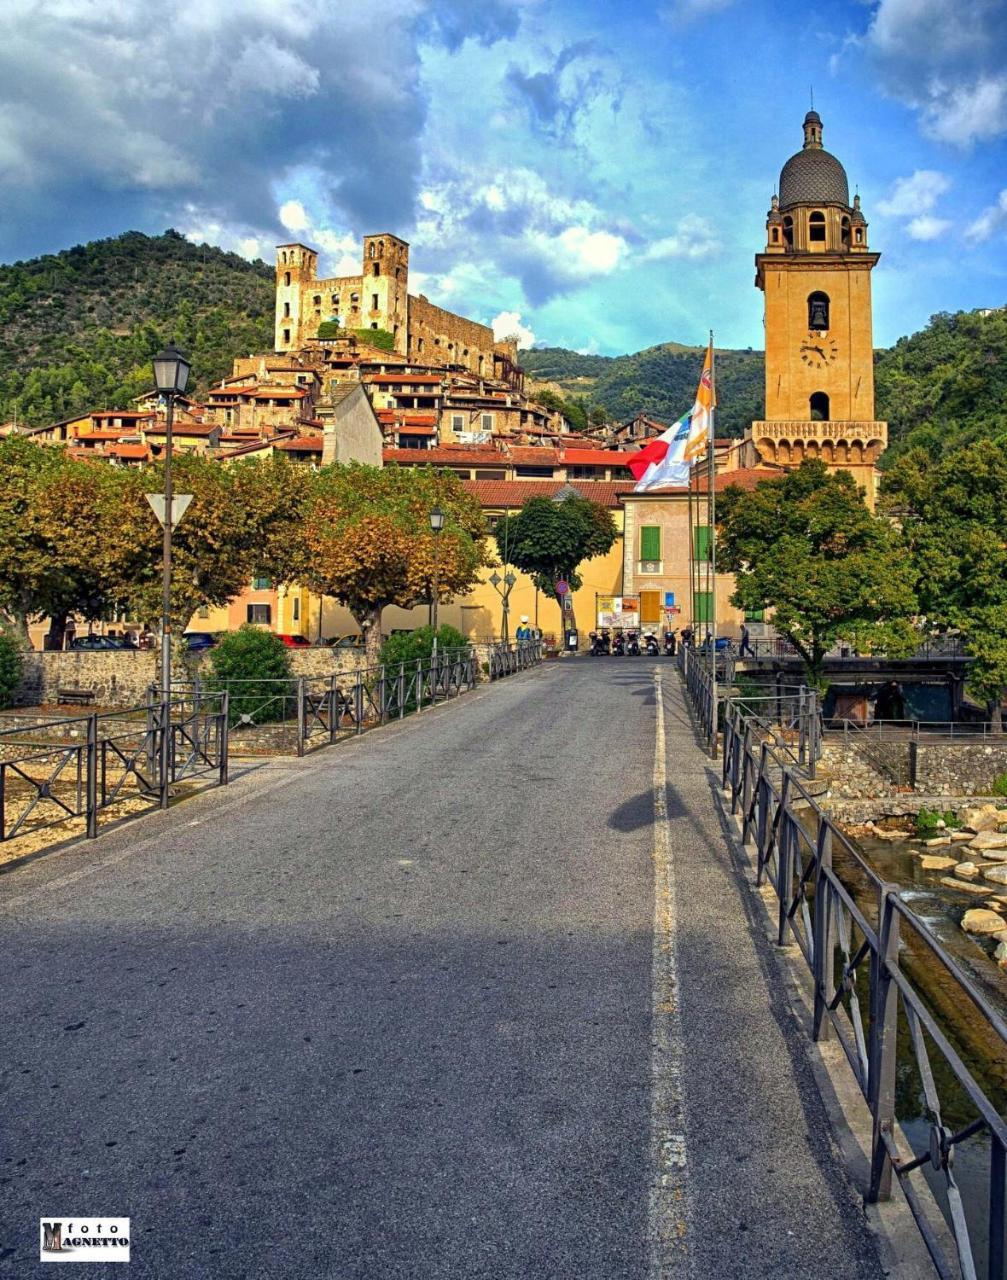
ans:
(296, 266)
(815, 271)
(385, 287)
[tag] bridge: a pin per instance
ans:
(486, 993)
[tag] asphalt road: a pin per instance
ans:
(389, 1012)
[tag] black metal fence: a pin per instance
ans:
(864, 948)
(73, 767)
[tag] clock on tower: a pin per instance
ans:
(815, 272)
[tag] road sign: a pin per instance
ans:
(179, 503)
(562, 587)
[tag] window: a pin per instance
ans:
(317, 299)
(457, 422)
(816, 227)
(701, 542)
(286, 335)
(203, 613)
(776, 235)
(490, 475)
(755, 615)
(374, 302)
(788, 231)
(819, 405)
(486, 420)
(261, 584)
(818, 311)
(374, 324)
(846, 233)
(286, 310)
(296, 611)
(702, 606)
(262, 614)
(650, 542)
(533, 473)
(286, 278)
(354, 297)
(419, 344)
(377, 269)
(860, 236)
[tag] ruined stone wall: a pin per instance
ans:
(117, 678)
(932, 768)
(440, 337)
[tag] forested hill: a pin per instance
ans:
(660, 381)
(945, 385)
(78, 328)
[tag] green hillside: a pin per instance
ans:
(78, 328)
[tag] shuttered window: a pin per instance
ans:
(650, 608)
(702, 606)
(650, 542)
(701, 542)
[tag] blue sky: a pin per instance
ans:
(589, 175)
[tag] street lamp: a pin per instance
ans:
(436, 525)
(171, 377)
(508, 580)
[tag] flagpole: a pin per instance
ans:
(712, 503)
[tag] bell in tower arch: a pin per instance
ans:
(818, 311)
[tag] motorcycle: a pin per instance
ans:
(633, 645)
(599, 643)
(618, 644)
(669, 643)
(652, 647)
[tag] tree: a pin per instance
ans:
(367, 540)
(11, 663)
(253, 666)
(804, 545)
(549, 540)
(953, 513)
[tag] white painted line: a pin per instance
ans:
(667, 1216)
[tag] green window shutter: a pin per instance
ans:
(701, 542)
(755, 615)
(650, 542)
(702, 606)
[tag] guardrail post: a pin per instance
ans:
(784, 861)
(998, 1208)
(166, 745)
(822, 931)
(814, 734)
(225, 737)
(802, 727)
(402, 690)
(334, 707)
(383, 686)
(358, 704)
(152, 729)
(91, 783)
(882, 1054)
(302, 719)
(419, 685)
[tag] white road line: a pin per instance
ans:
(668, 1245)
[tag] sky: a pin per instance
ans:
(588, 175)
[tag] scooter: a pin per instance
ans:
(669, 643)
(633, 645)
(652, 647)
(618, 644)
(599, 643)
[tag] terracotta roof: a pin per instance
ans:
(104, 435)
(183, 429)
(277, 393)
(448, 456)
(415, 429)
(301, 444)
(128, 451)
(403, 377)
(512, 493)
(540, 455)
(596, 457)
(232, 391)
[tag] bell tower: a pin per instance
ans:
(815, 272)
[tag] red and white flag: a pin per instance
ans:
(666, 460)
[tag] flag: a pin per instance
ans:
(666, 460)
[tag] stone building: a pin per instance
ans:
(815, 272)
(379, 299)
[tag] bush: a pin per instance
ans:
(927, 820)
(999, 787)
(379, 338)
(420, 644)
(253, 666)
(11, 663)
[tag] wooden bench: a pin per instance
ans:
(76, 696)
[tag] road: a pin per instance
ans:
(400, 1010)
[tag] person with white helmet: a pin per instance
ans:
(524, 631)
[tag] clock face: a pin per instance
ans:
(819, 350)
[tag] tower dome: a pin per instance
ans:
(813, 175)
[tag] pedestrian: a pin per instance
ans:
(745, 647)
(524, 630)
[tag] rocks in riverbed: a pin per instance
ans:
(997, 874)
(983, 817)
(963, 886)
(936, 841)
(1000, 955)
(936, 862)
(961, 835)
(989, 840)
(967, 870)
(982, 921)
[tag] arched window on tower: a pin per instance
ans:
(816, 227)
(776, 235)
(846, 233)
(819, 405)
(818, 311)
(372, 250)
(377, 268)
(286, 277)
(788, 231)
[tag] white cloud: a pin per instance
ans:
(990, 221)
(590, 253)
(693, 238)
(927, 227)
(915, 194)
(508, 324)
(681, 11)
(970, 113)
(294, 216)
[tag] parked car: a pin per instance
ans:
(346, 642)
(102, 642)
(197, 641)
(294, 642)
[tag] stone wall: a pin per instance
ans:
(930, 768)
(117, 678)
(850, 775)
(447, 338)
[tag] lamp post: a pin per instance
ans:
(436, 525)
(508, 580)
(171, 376)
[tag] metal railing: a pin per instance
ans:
(72, 767)
(505, 659)
(860, 948)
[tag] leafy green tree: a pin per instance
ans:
(805, 546)
(407, 647)
(11, 665)
(953, 513)
(29, 575)
(253, 667)
(367, 540)
(549, 541)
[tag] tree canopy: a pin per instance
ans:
(804, 545)
(953, 513)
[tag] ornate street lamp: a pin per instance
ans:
(171, 377)
(436, 525)
(508, 580)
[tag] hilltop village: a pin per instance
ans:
(363, 370)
